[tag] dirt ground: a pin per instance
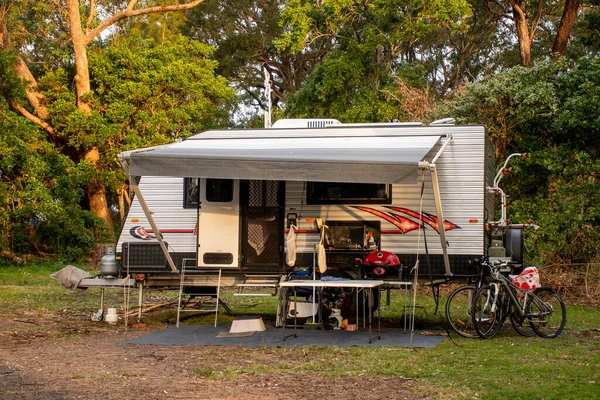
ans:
(63, 357)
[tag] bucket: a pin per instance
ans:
(111, 316)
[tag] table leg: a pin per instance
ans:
(378, 337)
(295, 318)
(357, 320)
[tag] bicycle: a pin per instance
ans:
(542, 308)
(459, 306)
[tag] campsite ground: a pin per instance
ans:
(64, 357)
(49, 348)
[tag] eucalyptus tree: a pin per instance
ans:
(68, 28)
(380, 51)
(551, 19)
(244, 34)
(82, 104)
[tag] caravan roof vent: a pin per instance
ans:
(305, 123)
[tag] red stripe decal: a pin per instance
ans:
(403, 224)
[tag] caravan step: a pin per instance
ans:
(259, 281)
(255, 294)
(269, 284)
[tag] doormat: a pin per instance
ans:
(208, 335)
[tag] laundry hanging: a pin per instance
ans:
(290, 243)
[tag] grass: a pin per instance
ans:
(507, 366)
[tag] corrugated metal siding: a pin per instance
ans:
(461, 176)
(164, 196)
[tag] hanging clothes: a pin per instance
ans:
(290, 242)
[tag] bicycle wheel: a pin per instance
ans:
(487, 312)
(547, 312)
(458, 311)
(521, 325)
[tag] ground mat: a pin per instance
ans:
(206, 335)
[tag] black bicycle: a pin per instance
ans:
(542, 309)
(460, 303)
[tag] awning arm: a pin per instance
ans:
(157, 233)
(449, 139)
(440, 215)
(148, 213)
(438, 201)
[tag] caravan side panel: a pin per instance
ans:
(461, 173)
(137, 246)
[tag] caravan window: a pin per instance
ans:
(219, 190)
(348, 193)
(191, 192)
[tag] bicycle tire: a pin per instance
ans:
(486, 322)
(521, 325)
(547, 311)
(458, 311)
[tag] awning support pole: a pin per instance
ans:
(449, 139)
(148, 214)
(440, 215)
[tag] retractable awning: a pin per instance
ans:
(372, 155)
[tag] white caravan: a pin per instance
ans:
(225, 200)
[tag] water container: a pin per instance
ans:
(111, 316)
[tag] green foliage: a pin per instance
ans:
(549, 111)
(567, 209)
(516, 102)
(149, 94)
(144, 94)
(374, 44)
(40, 191)
(391, 24)
(578, 122)
(338, 89)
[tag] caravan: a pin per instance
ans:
(226, 200)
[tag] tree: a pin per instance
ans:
(549, 111)
(559, 48)
(244, 34)
(83, 31)
(377, 54)
(528, 17)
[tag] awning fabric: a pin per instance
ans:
(373, 155)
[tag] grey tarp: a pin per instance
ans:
(70, 276)
(372, 155)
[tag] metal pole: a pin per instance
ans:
(140, 301)
(449, 139)
(440, 215)
(148, 214)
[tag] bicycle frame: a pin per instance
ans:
(511, 289)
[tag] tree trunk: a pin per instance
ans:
(82, 77)
(96, 192)
(32, 93)
(559, 48)
(522, 34)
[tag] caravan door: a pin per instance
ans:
(218, 223)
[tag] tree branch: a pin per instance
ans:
(130, 12)
(34, 96)
(34, 119)
(90, 19)
(536, 20)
